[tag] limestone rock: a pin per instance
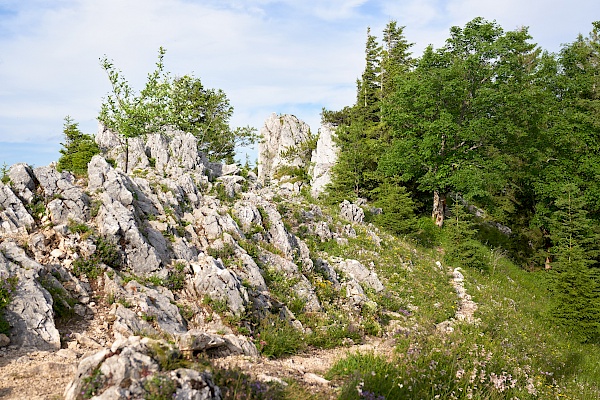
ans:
(118, 218)
(281, 134)
(66, 201)
(212, 279)
(14, 218)
(129, 367)
(145, 304)
(4, 340)
(195, 341)
(303, 288)
(362, 274)
(323, 158)
(351, 212)
(30, 311)
(23, 181)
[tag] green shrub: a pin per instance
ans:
(77, 150)
(398, 214)
(226, 253)
(277, 338)
(236, 385)
(7, 291)
(87, 266)
(108, 253)
(62, 302)
(4, 171)
(176, 278)
(159, 387)
(78, 227)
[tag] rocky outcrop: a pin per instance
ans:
(213, 281)
(172, 246)
(14, 218)
(282, 148)
(351, 212)
(119, 219)
(196, 341)
(23, 182)
(356, 271)
(136, 368)
(323, 159)
(30, 312)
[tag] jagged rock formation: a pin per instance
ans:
(131, 366)
(175, 235)
(323, 159)
(282, 148)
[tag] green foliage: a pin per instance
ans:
(106, 253)
(87, 266)
(398, 214)
(92, 384)
(78, 149)
(4, 171)
(159, 387)
(182, 103)
(236, 385)
(62, 302)
(217, 305)
(264, 216)
(462, 249)
(226, 253)
(575, 282)
(176, 278)
(276, 338)
(8, 287)
(78, 227)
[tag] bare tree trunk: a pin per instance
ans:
(439, 208)
(126, 154)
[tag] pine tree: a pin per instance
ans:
(78, 149)
(369, 86)
(575, 277)
(396, 58)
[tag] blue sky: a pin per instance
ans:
(286, 56)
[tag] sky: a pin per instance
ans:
(286, 56)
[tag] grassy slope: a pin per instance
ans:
(514, 352)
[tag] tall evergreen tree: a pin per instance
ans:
(576, 281)
(395, 58)
(369, 86)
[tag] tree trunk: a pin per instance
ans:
(439, 208)
(126, 154)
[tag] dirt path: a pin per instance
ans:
(44, 375)
(307, 368)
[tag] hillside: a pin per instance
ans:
(189, 279)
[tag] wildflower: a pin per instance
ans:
(460, 373)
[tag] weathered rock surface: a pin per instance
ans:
(30, 312)
(131, 368)
(196, 341)
(355, 270)
(14, 218)
(283, 137)
(351, 212)
(211, 279)
(323, 159)
(23, 182)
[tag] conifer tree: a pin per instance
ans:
(78, 149)
(396, 58)
(369, 86)
(576, 279)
